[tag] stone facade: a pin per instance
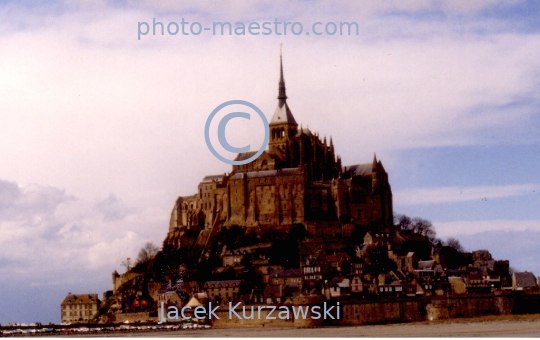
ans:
(79, 307)
(298, 179)
(223, 290)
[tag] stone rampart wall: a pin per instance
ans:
(394, 310)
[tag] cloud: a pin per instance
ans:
(520, 247)
(49, 237)
(112, 209)
(421, 196)
(121, 101)
(454, 228)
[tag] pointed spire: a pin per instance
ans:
(374, 166)
(282, 94)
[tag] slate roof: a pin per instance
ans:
(244, 155)
(305, 131)
(286, 273)
(426, 265)
(282, 115)
(85, 298)
(238, 252)
(265, 173)
(212, 178)
(525, 279)
(359, 169)
(224, 283)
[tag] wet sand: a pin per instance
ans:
(501, 326)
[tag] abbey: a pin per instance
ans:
(299, 179)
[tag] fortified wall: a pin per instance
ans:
(397, 311)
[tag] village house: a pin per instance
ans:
(476, 284)
(233, 258)
(407, 262)
(287, 277)
(356, 284)
(494, 281)
(457, 285)
(340, 288)
(226, 290)
(79, 307)
(168, 297)
(357, 266)
(393, 289)
(377, 238)
(425, 268)
(524, 281)
(311, 268)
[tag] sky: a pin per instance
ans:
(101, 131)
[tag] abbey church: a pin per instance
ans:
(299, 179)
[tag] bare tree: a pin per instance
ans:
(147, 252)
(454, 243)
(423, 227)
(404, 222)
(127, 264)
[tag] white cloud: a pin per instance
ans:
(454, 228)
(421, 196)
(360, 8)
(86, 100)
(49, 237)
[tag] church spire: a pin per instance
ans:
(374, 165)
(282, 94)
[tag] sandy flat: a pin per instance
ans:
(502, 326)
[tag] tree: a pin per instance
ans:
(127, 264)
(147, 252)
(454, 243)
(423, 227)
(452, 258)
(403, 222)
(417, 225)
